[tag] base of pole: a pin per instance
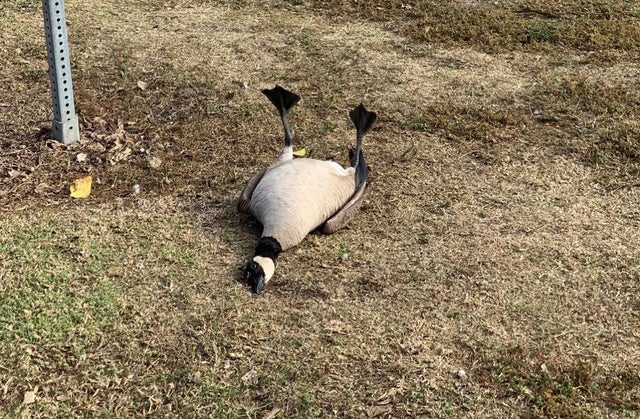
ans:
(66, 132)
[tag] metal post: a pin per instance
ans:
(65, 121)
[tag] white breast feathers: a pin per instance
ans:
(296, 196)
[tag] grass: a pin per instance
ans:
(39, 296)
(498, 237)
(587, 26)
(551, 391)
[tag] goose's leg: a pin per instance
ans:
(340, 219)
(363, 120)
(283, 100)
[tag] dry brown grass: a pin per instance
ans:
(500, 233)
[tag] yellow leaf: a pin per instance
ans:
(300, 153)
(81, 188)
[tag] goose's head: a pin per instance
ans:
(258, 272)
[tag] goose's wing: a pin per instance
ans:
(341, 218)
(245, 196)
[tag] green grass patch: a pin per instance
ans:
(505, 26)
(465, 122)
(597, 117)
(64, 308)
(583, 94)
(549, 390)
(49, 291)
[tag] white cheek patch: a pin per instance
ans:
(267, 265)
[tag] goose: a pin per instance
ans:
(294, 197)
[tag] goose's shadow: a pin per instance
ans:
(235, 233)
(234, 236)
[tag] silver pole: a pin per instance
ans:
(65, 121)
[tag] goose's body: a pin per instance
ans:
(293, 197)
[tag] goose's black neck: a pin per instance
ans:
(268, 247)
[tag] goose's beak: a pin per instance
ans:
(257, 283)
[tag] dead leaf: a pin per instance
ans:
(273, 413)
(42, 188)
(119, 152)
(377, 411)
(29, 397)
(119, 135)
(81, 188)
(250, 378)
(96, 147)
(100, 123)
(5, 387)
(300, 153)
(155, 162)
(142, 85)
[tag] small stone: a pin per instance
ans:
(155, 162)
(29, 397)
(136, 188)
(142, 85)
(344, 256)
(543, 369)
(461, 374)
(80, 157)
